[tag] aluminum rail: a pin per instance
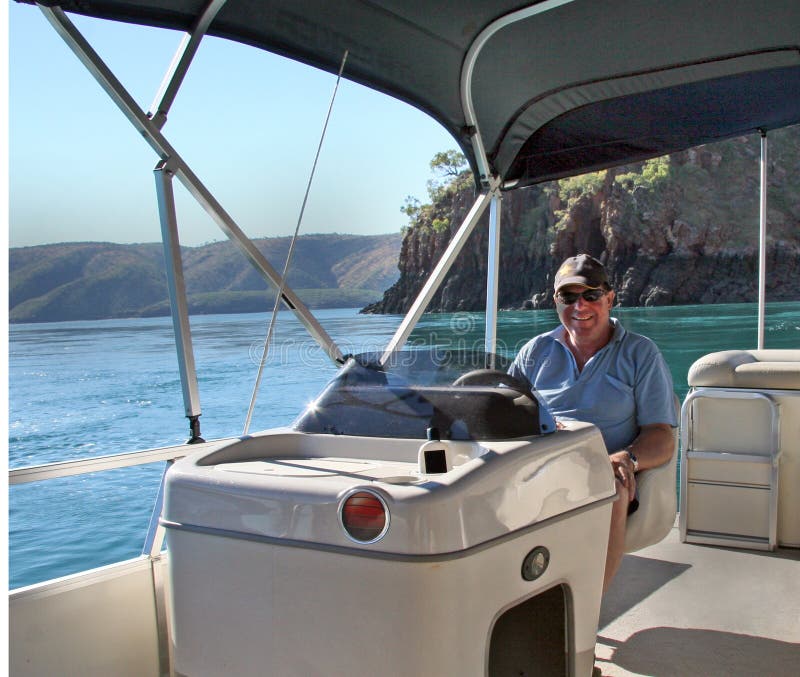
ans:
(438, 274)
(687, 452)
(493, 276)
(111, 85)
(180, 64)
(488, 181)
(83, 466)
(154, 539)
(177, 294)
(762, 240)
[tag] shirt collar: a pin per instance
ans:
(619, 330)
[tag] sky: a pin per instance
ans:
(247, 122)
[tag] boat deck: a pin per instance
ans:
(685, 609)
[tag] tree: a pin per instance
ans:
(411, 207)
(451, 174)
(448, 163)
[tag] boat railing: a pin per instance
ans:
(82, 466)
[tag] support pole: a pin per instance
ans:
(493, 275)
(180, 64)
(438, 274)
(762, 243)
(177, 298)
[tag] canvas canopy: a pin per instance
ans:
(553, 88)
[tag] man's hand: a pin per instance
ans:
(622, 465)
(653, 446)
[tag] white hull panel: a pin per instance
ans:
(97, 623)
(253, 608)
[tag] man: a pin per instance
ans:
(591, 369)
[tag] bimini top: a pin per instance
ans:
(552, 88)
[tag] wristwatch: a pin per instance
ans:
(634, 460)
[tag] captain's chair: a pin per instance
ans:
(658, 502)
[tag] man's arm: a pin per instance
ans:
(652, 447)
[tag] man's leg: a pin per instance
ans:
(616, 536)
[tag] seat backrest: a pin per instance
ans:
(658, 501)
(758, 369)
(743, 426)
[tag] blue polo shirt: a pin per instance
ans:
(623, 386)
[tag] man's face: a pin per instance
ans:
(584, 319)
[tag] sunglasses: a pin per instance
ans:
(570, 297)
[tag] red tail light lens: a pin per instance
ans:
(364, 516)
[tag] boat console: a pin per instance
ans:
(425, 393)
(450, 528)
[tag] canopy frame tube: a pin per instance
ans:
(490, 185)
(493, 275)
(177, 70)
(439, 272)
(108, 81)
(177, 296)
(762, 240)
(468, 70)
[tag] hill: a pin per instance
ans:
(99, 280)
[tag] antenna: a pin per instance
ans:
(289, 255)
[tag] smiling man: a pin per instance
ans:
(592, 369)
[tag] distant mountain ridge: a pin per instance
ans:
(100, 280)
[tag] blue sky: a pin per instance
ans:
(247, 122)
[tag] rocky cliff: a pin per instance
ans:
(678, 229)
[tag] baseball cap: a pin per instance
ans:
(582, 269)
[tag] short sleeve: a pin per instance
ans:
(655, 396)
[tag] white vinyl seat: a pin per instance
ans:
(755, 369)
(740, 457)
(658, 502)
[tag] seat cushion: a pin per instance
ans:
(766, 369)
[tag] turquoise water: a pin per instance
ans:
(79, 389)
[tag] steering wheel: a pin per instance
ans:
(493, 377)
